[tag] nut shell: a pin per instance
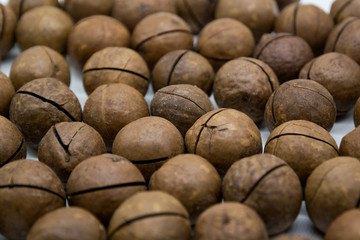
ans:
(357, 113)
(342, 9)
(7, 33)
(350, 144)
(7, 91)
(346, 226)
(21, 6)
(79, 9)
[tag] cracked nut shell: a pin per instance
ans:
(303, 145)
(21, 6)
(181, 104)
(342, 9)
(39, 62)
(116, 65)
(66, 144)
(28, 190)
(191, 179)
(222, 136)
(346, 226)
(79, 9)
(41, 103)
(150, 215)
(350, 144)
(101, 183)
(148, 143)
(331, 189)
(69, 223)
(271, 181)
(245, 84)
(300, 99)
(7, 91)
(7, 31)
(230, 220)
(183, 67)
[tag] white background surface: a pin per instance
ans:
(344, 125)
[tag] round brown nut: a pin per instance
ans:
(148, 143)
(21, 6)
(283, 3)
(28, 190)
(258, 15)
(70, 223)
(116, 65)
(101, 183)
(222, 136)
(92, 34)
(225, 39)
(339, 74)
(286, 236)
(350, 144)
(66, 144)
(345, 38)
(245, 84)
(181, 104)
(183, 67)
(284, 53)
(132, 12)
(357, 113)
(39, 62)
(160, 33)
(307, 21)
(7, 32)
(341, 9)
(346, 226)
(332, 188)
(111, 106)
(197, 13)
(303, 145)
(41, 103)
(150, 215)
(79, 9)
(230, 220)
(300, 99)
(34, 28)
(191, 179)
(7, 91)
(271, 181)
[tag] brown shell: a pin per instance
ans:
(346, 226)
(191, 179)
(286, 236)
(181, 104)
(66, 144)
(333, 70)
(271, 181)
(332, 188)
(28, 190)
(101, 183)
(79, 9)
(41, 103)
(183, 67)
(342, 9)
(245, 84)
(357, 113)
(230, 220)
(69, 223)
(157, 138)
(111, 106)
(222, 136)
(33, 28)
(350, 144)
(7, 91)
(7, 32)
(116, 65)
(303, 145)
(160, 33)
(92, 34)
(21, 6)
(300, 99)
(39, 62)
(153, 215)
(283, 3)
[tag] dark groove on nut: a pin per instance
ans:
(272, 108)
(192, 14)
(262, 69)
(21, 7)
(174, 66)
(299, 134)
(218, 59)
(157, 160)
(178, 95)
(342, 8)
(63, 145)
(295, 16)
(60, 108)
(358, 203)
(259, 181)
(115, 69)
(269, 42)
(33, 187)
(203, 126)
(309, 70)
(161, 214)
(55, 68)
(340, 32)
(3, 21)
(14, 154)
(120, 185)
(159, 34)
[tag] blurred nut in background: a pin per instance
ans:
(7, 32)
(21, 6)
(346, 226)
(7, 91)
(341, 9)
(357, 113)
(79, 9)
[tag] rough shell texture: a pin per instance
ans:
(346, 226)
(223, 136)
(331, 189)
(7, 33)
(70, 223)
(350, 144)
(79, 9)
(152, 215)
(342, 9)
(7, 91)
(21, 6)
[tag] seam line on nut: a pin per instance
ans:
(33, 187)
(340, 33)
(342, 8)
(116, 69)
(14, 154)
(178, 95)
(149, 161)
(262, 69)
(174, 66)
(271, 41)
(192, 14)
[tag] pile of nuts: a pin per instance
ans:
(120, 167)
